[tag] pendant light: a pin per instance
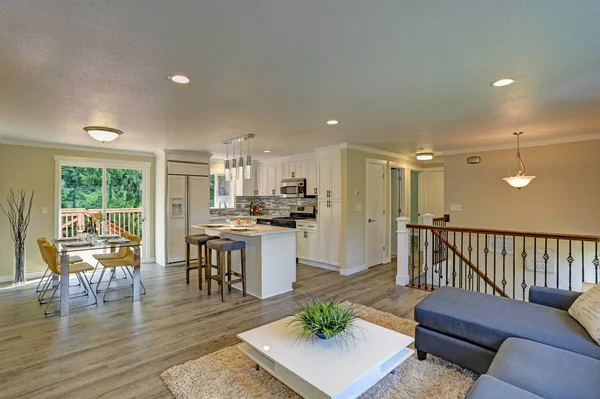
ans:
(519, 180)
(233, 165)
(241, 164)
(227, 170)
(248, 166)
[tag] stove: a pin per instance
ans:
(297, 212)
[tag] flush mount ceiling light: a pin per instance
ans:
(333, 122)
(519, 180)
(181, 79)
(267, 151)
(502, 82)
(423, 155)
(102, 133)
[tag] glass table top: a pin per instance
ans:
(67, 245)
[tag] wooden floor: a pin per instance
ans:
(119, 349)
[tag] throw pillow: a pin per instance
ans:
(586, 310)
(586, 286)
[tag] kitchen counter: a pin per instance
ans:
(259, 230)
(270, 257)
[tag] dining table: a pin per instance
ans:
(77, 245)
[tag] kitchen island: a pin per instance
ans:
(270, 257)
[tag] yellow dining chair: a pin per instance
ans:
(113, 255)
(112, 264)
(44, 283)
(78, 269)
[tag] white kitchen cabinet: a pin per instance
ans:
(330, 178)
(278, 178)
(329, 231)
(262, 181)
(247, 187)
(307, 243)
(312, 177)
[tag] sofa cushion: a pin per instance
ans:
(546, 371)
(488, 387)
(489, 320)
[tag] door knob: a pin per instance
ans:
(371, 220)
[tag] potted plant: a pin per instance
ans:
(325, 319)
(18, 213)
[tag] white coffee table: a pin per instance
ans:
(321, 369)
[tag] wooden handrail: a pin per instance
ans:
(485, 278)
(573, 237)
(445, 218)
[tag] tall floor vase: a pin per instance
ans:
(19, 263)
(18, 213)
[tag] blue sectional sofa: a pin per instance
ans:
(528, 349)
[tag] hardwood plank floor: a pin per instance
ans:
(119, 349)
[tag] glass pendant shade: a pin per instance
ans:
(241, 168)
(227, 171)
(248, 167)
(233, 169)
(519, 180)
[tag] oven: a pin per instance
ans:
(293, 188)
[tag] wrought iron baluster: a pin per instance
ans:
(425, 245)
(447, 257)
(582, 262)
(524, 256)
(494, 291)
(557, 262)
(485, 254)
(460, 269)
(440, 259)
(470, 271)
(514, 296)
(570, 260)
(503, 264)
(454, 260)
(478, 276)
(546, 257)
(412, 257)
(596, 263)
(534, 261)
(420, 262)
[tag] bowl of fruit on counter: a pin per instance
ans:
(241, 224)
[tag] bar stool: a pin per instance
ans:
(223, 247)
(200, 240)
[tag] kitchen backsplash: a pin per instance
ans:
(268, 205)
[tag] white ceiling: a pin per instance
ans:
(397, 74)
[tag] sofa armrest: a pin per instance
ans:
(553, 297)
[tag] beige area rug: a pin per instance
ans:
(227, 373)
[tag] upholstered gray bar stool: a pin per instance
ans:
(199, 240)
(223, 277)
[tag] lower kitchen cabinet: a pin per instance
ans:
(307, 242)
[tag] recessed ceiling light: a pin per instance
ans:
(267, 151)
(102, 133)
(502, 82)
(181, 79)
(425, 156)
(333, 122)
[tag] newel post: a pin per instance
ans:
(402, 276)
(428, 241)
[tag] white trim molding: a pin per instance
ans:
(71, 147)
(539, 143)
(354, 270)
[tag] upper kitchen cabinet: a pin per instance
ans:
(330, 178)
(278, 178)
(262, 181)
(312, 177)
(247, 187)
(294, 170)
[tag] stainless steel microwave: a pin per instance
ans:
(293, 188)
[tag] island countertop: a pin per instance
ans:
(259, 230)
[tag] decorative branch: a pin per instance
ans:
(18, 213)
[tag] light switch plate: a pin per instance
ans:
(358, 208)
(44, 210)
(456, 207)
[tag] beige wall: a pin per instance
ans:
(34, 168)
(563, 198)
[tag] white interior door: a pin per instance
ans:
(375, 213)
(397, 206)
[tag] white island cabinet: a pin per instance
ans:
(270, 258)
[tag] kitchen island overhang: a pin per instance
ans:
(270, 258)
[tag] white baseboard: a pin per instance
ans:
(354, 270)
(150, 260)
(319, 265)
(28, 276)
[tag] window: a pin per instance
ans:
(219, 191)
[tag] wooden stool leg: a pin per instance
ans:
(243, 261)
(229, 270)
(208, 271)
(200, 267)
(222, 273)
(187, 263)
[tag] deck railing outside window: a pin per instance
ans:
(497, 262)
(75, 220)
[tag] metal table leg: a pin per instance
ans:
(64, 284)
(137, 274)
